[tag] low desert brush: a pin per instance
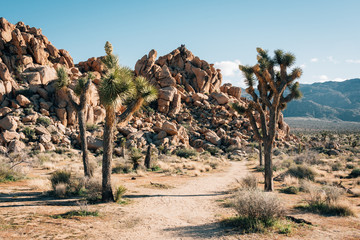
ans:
(325, 200)
(249, 182)
(257, 210)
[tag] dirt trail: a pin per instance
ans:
(185, 212)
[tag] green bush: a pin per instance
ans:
(350, 166)
(60, 176)
(135, 156)
(354, 173)
(324, 208)
(213, 150)
(63, 78)
(29, 133)
(8, 174)
(122, 168)
(76, 213)
(43, 121)
(336, 166)
(120, 191)
(92, 127)
(302, 172)
(290, 190)
(186, 152)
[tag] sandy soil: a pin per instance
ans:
(188, 210)
(191, 209)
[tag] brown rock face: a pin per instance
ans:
(176, 72)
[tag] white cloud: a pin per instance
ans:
(303, 66)
(323, 78)
(314, 60)
(353, 61)
(332, 60)
(229, 68)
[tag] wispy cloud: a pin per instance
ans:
(332, 60)
(353, 61)
(303, 66)
(314, 60)
(229, 68)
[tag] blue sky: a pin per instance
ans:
(323, 34)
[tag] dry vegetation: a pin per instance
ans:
(310, 185)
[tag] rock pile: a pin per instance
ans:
(177, 75)
(192, 108)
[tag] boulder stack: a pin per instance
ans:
(178, 75)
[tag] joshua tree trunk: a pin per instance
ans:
(268, 167)
(260, 154)
(85, 156)
(107, 194)
(80, 109)
(147, 162)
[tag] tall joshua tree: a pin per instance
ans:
(118, 86)
(81, 90)
(269, 99)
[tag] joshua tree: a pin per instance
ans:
(81, 90)
(118, 86)
(269, 99)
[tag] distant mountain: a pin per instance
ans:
(329, 100)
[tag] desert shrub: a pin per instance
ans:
(43, 121)
(249, 182)
(8, 174)
(257, 204)
(350, 166)
(29, 133)
(60, 190)
(120, 191)
(328, 209)
(93, 189)
(354, 173)
(332, 194)
(76, 213)
(122, 168)
(324, 200)
(291, 181)
(256, 210)
(310, 158)
(92, 127)
(186, 152)
(302, 172)
(63, 78)
(135, 156)
(290, 190)
(60, 176)
(213, 150)
(336, 166)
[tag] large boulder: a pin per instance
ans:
(8, 123)
(221, 98)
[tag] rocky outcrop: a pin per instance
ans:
(192, 108)
(178, 75)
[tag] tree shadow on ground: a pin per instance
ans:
(177, 195)
(205, 231)
(21, 199)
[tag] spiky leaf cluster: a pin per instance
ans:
(81, 83)
(116, 86)
(63, 78)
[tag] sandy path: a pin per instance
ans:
(185, 212)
